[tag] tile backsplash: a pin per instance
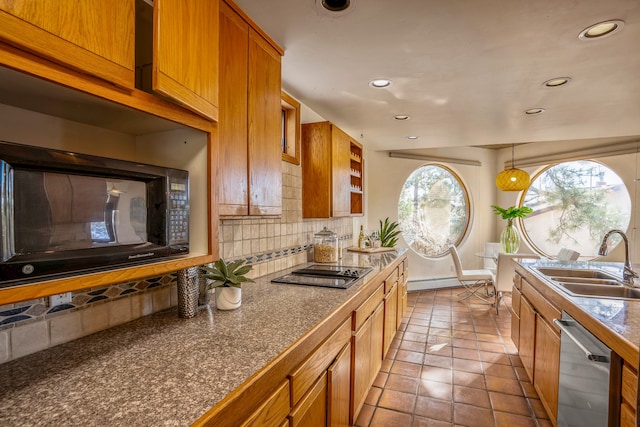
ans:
(269, 244)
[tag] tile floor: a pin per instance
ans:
(452, 364)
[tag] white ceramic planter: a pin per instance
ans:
(228, 298)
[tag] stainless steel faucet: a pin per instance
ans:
(628, 275)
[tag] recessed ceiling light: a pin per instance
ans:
(558, 81)
(335, 5)
(532, 111)
(401, 117)
(380, 83)
(412, 137)
(601, 29)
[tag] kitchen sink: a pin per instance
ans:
(575, 272)
(602, 291)
(587, 281)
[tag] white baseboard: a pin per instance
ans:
(444, 282)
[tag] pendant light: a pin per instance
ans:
(513, 179)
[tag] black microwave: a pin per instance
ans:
(64, 213)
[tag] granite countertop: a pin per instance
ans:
(164, 370)
(615, 321)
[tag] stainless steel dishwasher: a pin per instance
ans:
(583, 394)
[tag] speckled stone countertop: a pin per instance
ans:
(162, 370)
(616, 322)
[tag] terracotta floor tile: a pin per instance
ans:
(439, 361)
(398, 401)
(365, 415)
(373, 396)
(467, 365)
(509, 403)
(497, 370)
(435, 389)
(503, 385)
(386, 418)
(469, 415)
(471, 396)
(469, 379)
(402, 383)
(452, 364)
(504, 419)
(406, 369)
(410, 356)
(436, 409)
(433, 373)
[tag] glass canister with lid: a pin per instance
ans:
(325, 246)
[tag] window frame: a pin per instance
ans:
(290, 129)
(469, 209)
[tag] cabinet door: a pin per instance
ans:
(377, 336)
(547, 366)
(515, 317)
(390, 317)
(264, 118)
(185, 53)
(97, 38)
(273, 411)
(527, 336)
(312, 409)
(232, 126)
(339, 387)
(315, 147)
(361, 370)
(341, 173)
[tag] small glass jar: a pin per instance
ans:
(325, 246)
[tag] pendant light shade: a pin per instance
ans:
(513, 179)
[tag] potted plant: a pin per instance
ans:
(227, 278)
(388, 233)
(509, 238)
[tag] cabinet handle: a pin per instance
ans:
(565, 326)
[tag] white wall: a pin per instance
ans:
(385, 177)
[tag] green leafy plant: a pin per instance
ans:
(512, 212)
(228, 275)
(388, 233)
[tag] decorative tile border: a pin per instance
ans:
(282, 252)
(13, 314)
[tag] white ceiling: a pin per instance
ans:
(464, 70)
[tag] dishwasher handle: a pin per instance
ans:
(565, 326)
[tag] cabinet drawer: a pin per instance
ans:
(629, 385)
(304, 376)
(273, 411)
(547, 310)
(517, 281)
(364, 311)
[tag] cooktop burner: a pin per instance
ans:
(330, 276)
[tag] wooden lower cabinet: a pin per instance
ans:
(629, 393)
(390, 318)
(339, 389)
(311, 411)
(527, 336)
(273, 411)
(547, 366)
(366, 359)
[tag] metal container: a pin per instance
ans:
(325, 246)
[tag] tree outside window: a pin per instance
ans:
(574, 204)
(433, 210)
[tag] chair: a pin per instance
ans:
(504, 275)
(567, 255)
(472, 280)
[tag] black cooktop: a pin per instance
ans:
(330, 276)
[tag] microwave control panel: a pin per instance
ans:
(179, 214)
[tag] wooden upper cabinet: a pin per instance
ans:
(96, 38)
(249, 126)
(185, 53)
(326, 171)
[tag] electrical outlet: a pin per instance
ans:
(59, 299)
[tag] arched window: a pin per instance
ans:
(574, 204)
(433, 210)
